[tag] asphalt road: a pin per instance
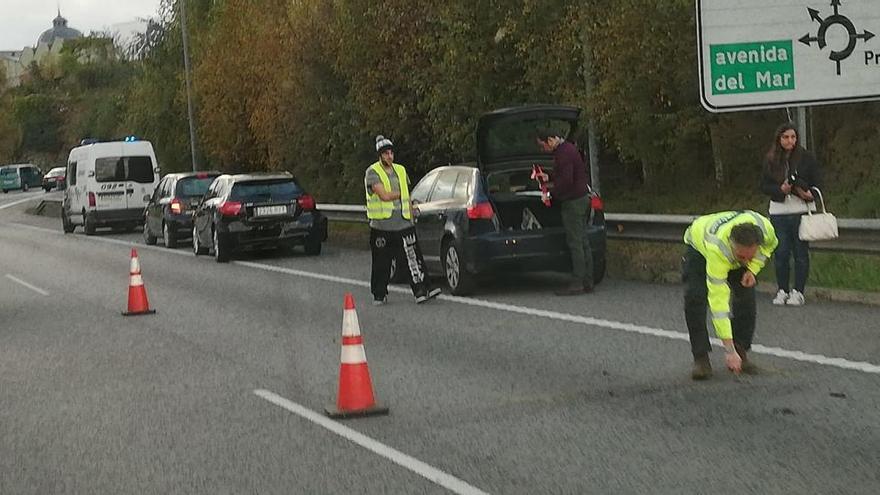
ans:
(511, 391)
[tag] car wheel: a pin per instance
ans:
(5, 191)
(313, 246)
(459, 281)
(598, 269)
(169, 235)
(197, 246)
(47, 189)
(66, 224)
(221, 254)
(149, 238)
(89, 224)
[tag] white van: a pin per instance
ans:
(108, 184)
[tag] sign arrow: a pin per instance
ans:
(814, 14)
(807, 39)
(866, 35)
(836, 5)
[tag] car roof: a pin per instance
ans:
(19, 165)
(184, 175)
(261, 176)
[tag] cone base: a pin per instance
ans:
(334, 412)
(138, 313)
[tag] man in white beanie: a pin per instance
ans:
(392, 234)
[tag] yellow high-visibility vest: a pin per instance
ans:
(381, 210)
(710, 235)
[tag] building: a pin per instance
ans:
(16, 62)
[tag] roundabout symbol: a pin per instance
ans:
(836, 55)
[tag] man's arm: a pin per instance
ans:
(719, 307)
(384, 195)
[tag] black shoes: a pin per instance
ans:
(427, 297)
(702, 368)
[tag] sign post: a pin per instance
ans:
(756, 54)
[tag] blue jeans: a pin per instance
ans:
(786, 227)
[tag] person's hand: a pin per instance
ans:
(748, 279)
(733, 361)
(806, 195)
(543, 176)
(785, 187)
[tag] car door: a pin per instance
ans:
(433, 213)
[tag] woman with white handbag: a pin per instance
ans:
(789, 173)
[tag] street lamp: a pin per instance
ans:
(186, 68)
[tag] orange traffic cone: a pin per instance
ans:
(137, 294)
(355, 396)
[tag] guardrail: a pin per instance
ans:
(857, 235)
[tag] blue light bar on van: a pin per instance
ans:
(130, 139)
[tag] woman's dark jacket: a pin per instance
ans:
(806, 172)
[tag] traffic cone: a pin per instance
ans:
(355, 396)
(137, 294)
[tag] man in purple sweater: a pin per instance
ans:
(570, 188)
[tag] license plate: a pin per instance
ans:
(271, 210)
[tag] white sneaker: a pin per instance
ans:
(781, 298)
(795, 299)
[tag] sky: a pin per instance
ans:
(22, 21)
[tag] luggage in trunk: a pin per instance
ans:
(525, 211)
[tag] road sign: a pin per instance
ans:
(756, 54)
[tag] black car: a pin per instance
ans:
(169, 212)
(488, 216)
(253, 211)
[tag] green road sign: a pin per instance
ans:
(757, 54)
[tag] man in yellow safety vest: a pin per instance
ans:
(392, 234)
(725, 251)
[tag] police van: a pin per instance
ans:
(108, 184)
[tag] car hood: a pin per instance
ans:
(506, 137)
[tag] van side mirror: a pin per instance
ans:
(157, 170)
(91, 173)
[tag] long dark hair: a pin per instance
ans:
(776, 158)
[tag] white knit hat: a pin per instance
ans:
(383, 143)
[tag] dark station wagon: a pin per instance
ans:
(483, 217)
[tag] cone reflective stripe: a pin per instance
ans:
(137, 293)
(355, 397)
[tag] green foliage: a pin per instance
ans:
(38, 116)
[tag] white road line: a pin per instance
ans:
(20, 201)
(426, 471)
(540, 313)
(29, 286)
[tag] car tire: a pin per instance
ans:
(197, 246)
(149, 238)
(169, 236)
(459, 281)
(89, 224)
(66, 225)
(221, 250)
(5, 191)
(47, 189)
(313, 246)
(598, 269)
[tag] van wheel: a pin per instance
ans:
(89, 224)
(66, 224)
(197, 246)
(221, 254)
(5, 191)
(169, 235)
(459, 281)
(25, 187)
(149, 238)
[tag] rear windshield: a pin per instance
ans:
(193, 186)
(517, 137)
(117, 169)
(263, 191)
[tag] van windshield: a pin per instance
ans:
(193, 186)
(118, 169)
(256, 192)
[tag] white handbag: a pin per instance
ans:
(818, 226)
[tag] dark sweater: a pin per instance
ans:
(806, 171)
(570, 179)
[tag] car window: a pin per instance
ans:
(191, 187)
(71, 173)
(7, 171)
(109, 169)
(461, 185)
(140, 169)
(423, 188)
(445, 185)
(265, 191)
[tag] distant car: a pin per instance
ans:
(254, 211)
(488, 216)
(169, 211)
(54, 178)
(22, 176)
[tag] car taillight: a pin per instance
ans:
(91, 200)
(230, 208)
(596, 203)
(480, 210)
(306, 202)
(176, 206)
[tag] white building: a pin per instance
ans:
(16, 62)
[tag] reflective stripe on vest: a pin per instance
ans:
(382, 210)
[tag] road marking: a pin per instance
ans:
(842, 363)
(18, 202)
(426, 471)
(29, 286)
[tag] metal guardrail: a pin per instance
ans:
(857, 235)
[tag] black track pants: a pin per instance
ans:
(401, 245)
